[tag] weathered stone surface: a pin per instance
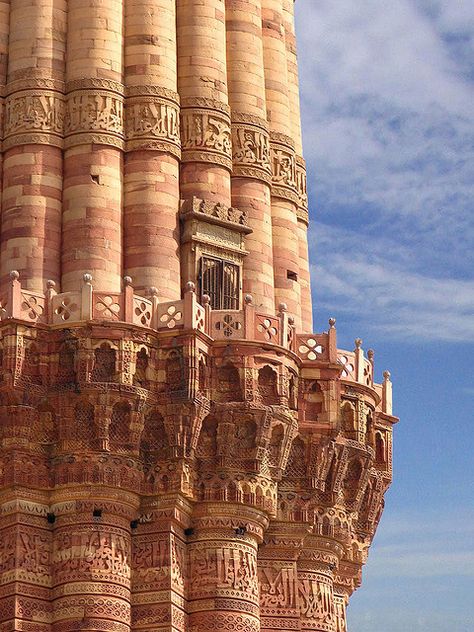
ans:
(166, 464)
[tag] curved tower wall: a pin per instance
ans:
(179, 452)
(116, 113)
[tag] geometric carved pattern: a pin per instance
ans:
(104, 364)
(119, 429)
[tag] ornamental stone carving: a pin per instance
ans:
(232, 569)
(34, 116)
(284, 179)
(95, 116)
(214, 210)
(205, 133)
(250, 148)
(152, 121)
(173, 455)
(301, 187)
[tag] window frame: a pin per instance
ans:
(222, 296)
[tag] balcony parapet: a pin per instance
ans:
(187, 314)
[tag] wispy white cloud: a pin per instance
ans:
(389, 128)
(400, 620)
(377, 287)
(416, 570)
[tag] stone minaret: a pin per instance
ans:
(179, 452)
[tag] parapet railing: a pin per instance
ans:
(249, 323)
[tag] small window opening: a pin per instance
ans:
(220, 280)
(293, 276)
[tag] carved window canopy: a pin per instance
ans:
(215, 213)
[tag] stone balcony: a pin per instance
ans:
(172, 317)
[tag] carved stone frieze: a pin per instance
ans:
(152, 121)
(301, 186)
(94, 116)
(206, 132)
(283, 159)
(250, 147)
(214, 211)
(34, 116)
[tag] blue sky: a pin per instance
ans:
(388, 118)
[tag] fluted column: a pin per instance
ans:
(302, 205)
(223, 582)
(4, 36)
(92, 207)
(25, 549)
(159, 573)
(316, 566)
(91, 560)
(251, 144)
(32, 167)
(341, 599)
(277, 573)
(202, 86)
(284, 196)
(151, 170)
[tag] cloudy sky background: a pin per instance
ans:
(388, 115)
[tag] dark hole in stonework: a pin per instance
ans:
(133, 524)
(97, 513)
(291, 275)
(51, 518)
(95, 178)
(188, 532)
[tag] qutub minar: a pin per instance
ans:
(178, 451)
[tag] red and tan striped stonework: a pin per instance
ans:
(170, 461)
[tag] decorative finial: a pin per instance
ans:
(248, 299)
(127, 280)
(358, 343)
(87, 277)
(50, 284)
(153, 291)
(291, 320)
(205, 299)
(283, 307)
(190, 287)
(387, 376)
(332, 322)
(370, 354)
(14, 275)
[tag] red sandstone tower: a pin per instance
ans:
(179, 452)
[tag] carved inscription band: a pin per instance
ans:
(92, 111)
(34, 116)
(283, 167)
(301, 187)
(95, 111)
(251, 147)
(205, 132)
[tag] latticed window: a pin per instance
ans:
(104, 364)
(31, 365)
(154, 437)
(220, 280)
(296, 467)
(83, 427)
(66, 369)
(119, 430)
